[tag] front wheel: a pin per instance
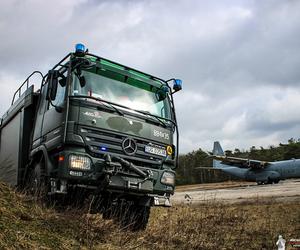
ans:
(37, 184)
(127, 213)
(135, 218)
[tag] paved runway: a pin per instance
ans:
(230, 193)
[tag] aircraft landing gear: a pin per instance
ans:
(268, 181)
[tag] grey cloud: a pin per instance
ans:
(258, 48)
(239, 59)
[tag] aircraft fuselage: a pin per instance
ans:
(274, 172)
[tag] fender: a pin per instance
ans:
(42, 150)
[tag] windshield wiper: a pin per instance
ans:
(153, 116)
(147, 113)
(113, 107)
(106, 103)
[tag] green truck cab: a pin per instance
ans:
(94, 128)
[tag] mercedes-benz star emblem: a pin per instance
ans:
(129, 146)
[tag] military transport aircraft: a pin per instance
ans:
(263, 172)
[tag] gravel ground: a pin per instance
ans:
(287, 190)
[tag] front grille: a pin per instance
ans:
(100, 142)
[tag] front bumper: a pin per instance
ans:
(112, 176)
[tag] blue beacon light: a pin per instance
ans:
(177, 84)
(103, 148)
(79, 48)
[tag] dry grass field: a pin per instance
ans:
(27, 225)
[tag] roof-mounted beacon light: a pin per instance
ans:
(80, 49)
(177, 84)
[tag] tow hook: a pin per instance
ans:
(130, 166)
(125, 164)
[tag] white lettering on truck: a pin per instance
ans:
(161, 134)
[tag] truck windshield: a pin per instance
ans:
(123, 91)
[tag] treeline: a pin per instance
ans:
(194, 167)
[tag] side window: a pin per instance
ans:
(60, 96)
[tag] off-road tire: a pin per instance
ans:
(102, 204)
(135, 218)
(109, 211)
(37, 183)
(142, 217)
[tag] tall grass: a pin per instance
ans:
(26, 225)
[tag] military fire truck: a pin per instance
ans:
(96, 126)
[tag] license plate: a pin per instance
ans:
(156, 151)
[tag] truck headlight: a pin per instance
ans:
(79, 162)
(168, 178)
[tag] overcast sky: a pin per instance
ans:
(239, 60)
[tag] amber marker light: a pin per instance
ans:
(169, 150)
(61, 158)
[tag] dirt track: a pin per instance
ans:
(237, 192)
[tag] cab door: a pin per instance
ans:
(53, 120)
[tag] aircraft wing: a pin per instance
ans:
(241, 162)
(209, 168)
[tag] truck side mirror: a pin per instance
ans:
(162, 93)
(52, 84)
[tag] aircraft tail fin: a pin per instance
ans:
(218, 149)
